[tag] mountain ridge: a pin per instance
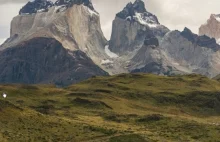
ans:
(139, 42)
(65, 82)
(211, 27)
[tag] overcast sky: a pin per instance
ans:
(175, 14)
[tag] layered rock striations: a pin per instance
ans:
(147, 46)
(62, 43)
(76, 26)
(73, 23)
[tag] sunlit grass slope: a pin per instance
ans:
(122, 108)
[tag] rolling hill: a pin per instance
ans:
(125, 107)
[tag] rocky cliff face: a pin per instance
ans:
(62, 43)
(46, 61)
(36, 6)
(192, 53)
(70, 3)
(178, 53)
(136, 37)
(132, 26)
(212, 27)
(203, 41)
(74, 23)
(145, 45)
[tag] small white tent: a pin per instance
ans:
(4, 95)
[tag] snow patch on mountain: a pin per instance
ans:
(109, 53)
(40, 10)
(39, 6)
(145, 20)
(91, 12)
(60, 8)
(218, 41)
(36, 6)
(106, 62)
(217, 17)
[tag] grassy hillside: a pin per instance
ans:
(122, 108)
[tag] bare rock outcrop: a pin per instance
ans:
(212, 27)
(75, 25)
(45, 61)
(192, 53)
(62, 43)
(131, 26)
(145, 45)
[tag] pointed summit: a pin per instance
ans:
(187, 33)
(35, 6)
(139, 6)
(137, 12)
(212, 27)
(203, 41)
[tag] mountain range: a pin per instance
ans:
(61, 80)
(62, 43)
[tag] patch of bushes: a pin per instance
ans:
(101, 130)
(44, 109)
(49, 102)
(81, 94)
(90, 103)
(128, 138)
(103, 91)
(151, 118)
(7, 104)
(118, 117)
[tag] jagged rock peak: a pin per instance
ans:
(215, 16)
(34, 6)
(137, 12)
(203, 41)
(70, 3)
(188, 34)
(139, 6)
(212, 27)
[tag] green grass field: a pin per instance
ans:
(122, 108)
